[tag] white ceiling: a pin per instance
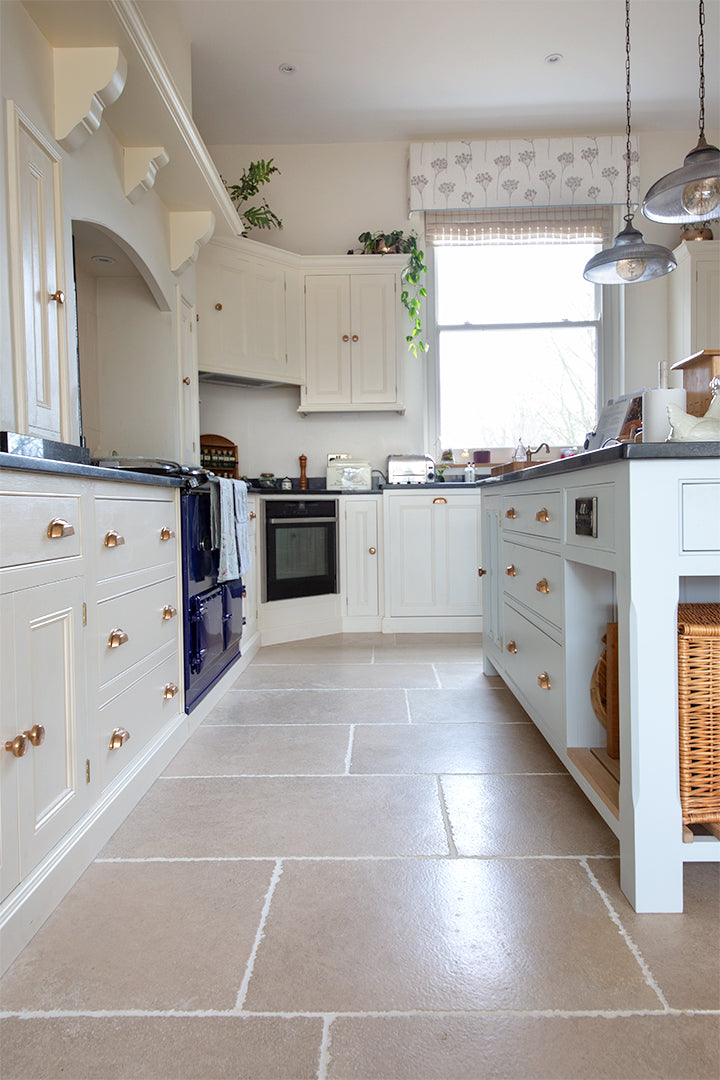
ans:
(377, 70)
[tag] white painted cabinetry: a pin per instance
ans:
(434, 557)
(251, 581)
(694, 312)
(362, 556)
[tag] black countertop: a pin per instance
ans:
(92, 472)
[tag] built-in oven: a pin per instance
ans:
(300, 548)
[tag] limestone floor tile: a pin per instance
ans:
(335, 676)
(524, 815)
(314, 651)
(144, 936)
(169, 1048)
(480, 704)
(284, 816)
(524, 1048)
(416, 648)
(452, 748)
(264, 751)
(468, 676)
(310, 707)
(441, 934)
(682, 951)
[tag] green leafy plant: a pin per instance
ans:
(259, 216)
(413, 292)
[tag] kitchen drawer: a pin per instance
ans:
(534, 662)
(29, 519)
(537, 514)
(137, 617)
(132, 534)
(140, 711)
(701, 516)
(535, 578)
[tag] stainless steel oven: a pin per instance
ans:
(300, 548)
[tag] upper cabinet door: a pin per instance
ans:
(327, 321)
(38, 289)
(373, 319)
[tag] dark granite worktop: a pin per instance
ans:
(664, 451)
(91, 472)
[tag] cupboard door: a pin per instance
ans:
(327, 314)
(361, 557)
(373, 323)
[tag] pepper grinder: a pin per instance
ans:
(303, 477)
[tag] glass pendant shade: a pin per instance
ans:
(629, 260)
(691, 193)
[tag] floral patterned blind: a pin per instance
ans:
(472, 174)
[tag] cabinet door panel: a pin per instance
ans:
(361, 566)
(9, 765)
(458, 555)
(412, 570)
(267, 340)
(327, 314)
(373, 323)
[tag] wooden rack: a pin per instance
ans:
(219, 456)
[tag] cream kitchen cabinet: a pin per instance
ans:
(694, 312)
(251, 581)
(434, 558)
(352, 327)
(361, 522)
(248, 301)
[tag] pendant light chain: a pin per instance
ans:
(628, 215)
(701, 51)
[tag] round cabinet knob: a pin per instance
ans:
(543, 680)
(511, 571)
(36, 734)
(17, 746)
(542, 586)
(511, 512)
(170, 691)
(186, 380)
(355, 337)
(59, 527)
(372, 551)
(252, 515)
(117, 637)
(511, 647)
(169, 612)
(113, 539)
(218, 307)
(542, 515)
(346, 337)
(58, 296)
(166, 533)
(118, 738)
(481, 572)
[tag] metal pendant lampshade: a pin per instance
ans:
(691, 193)
(630, 259)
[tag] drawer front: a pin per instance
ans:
(37, 528)
(534, 662)
(537, 514)
(701, 516)
(132, 534)
(535, 578)
(134, 717)
(135, 621)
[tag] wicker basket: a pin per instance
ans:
(699, 712)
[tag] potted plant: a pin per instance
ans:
(413, 293)
(259, 216)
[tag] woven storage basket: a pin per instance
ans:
(699, 711)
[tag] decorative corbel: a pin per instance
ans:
(189, 231)
(140, 167)
(86, 82)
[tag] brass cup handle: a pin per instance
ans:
(252, 515)
(59, 527)
(169, 612)
(511, 512)
(17, 746)
(511, 647)
(542, 515)
(36, 735)
(118, 738)
(543, 680)
(511, 571)
(440, 499)
(113, 539)
(355, 337)
(170, 691)
(166, 533)
(542, 586)
(481, 572)
(346, 337)
(372, 551)
(58, 296)
(117, 637)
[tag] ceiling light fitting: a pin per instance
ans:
(630, 259)
(105, 260)
(691, 193)
(553, 58)
(287, 69)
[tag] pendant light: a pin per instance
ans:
(630, 259)
(691, 193)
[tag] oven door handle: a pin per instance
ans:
(302, 521)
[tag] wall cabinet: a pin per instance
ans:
(361, 563)
(351, 327)
(247, 307)
(694, 313)
(434, 555)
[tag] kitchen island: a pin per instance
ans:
(618, 535)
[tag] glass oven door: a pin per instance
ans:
(301, 555)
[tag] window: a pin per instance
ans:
(518, 327)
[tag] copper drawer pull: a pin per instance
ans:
(59, 527)
(543, 680)
(252, 515)
(118, 738)
(346, 337)
(17, 746)
(170, 691)
(58, 296)
(511, 513)
(169, 612)
(166, 533)
(372, 551)
(511, 571)
(36, 735)
(542, 515)
(355, 337)
(117, 637)
(113, 539)
(542, 586)
(440, 499)
(481, 572)
(511, 647)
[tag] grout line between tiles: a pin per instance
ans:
(437, 677)
(343, 858)
(338, 775)
(260, 934)
(407, 707)
(324, 1060)
(348, 754)
(376, 1014)
(446, 820)
(640, 959)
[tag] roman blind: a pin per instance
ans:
(549, 225)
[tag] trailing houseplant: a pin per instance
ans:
(413, 293)
(258, 216)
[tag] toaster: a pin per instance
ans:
(410, 469)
